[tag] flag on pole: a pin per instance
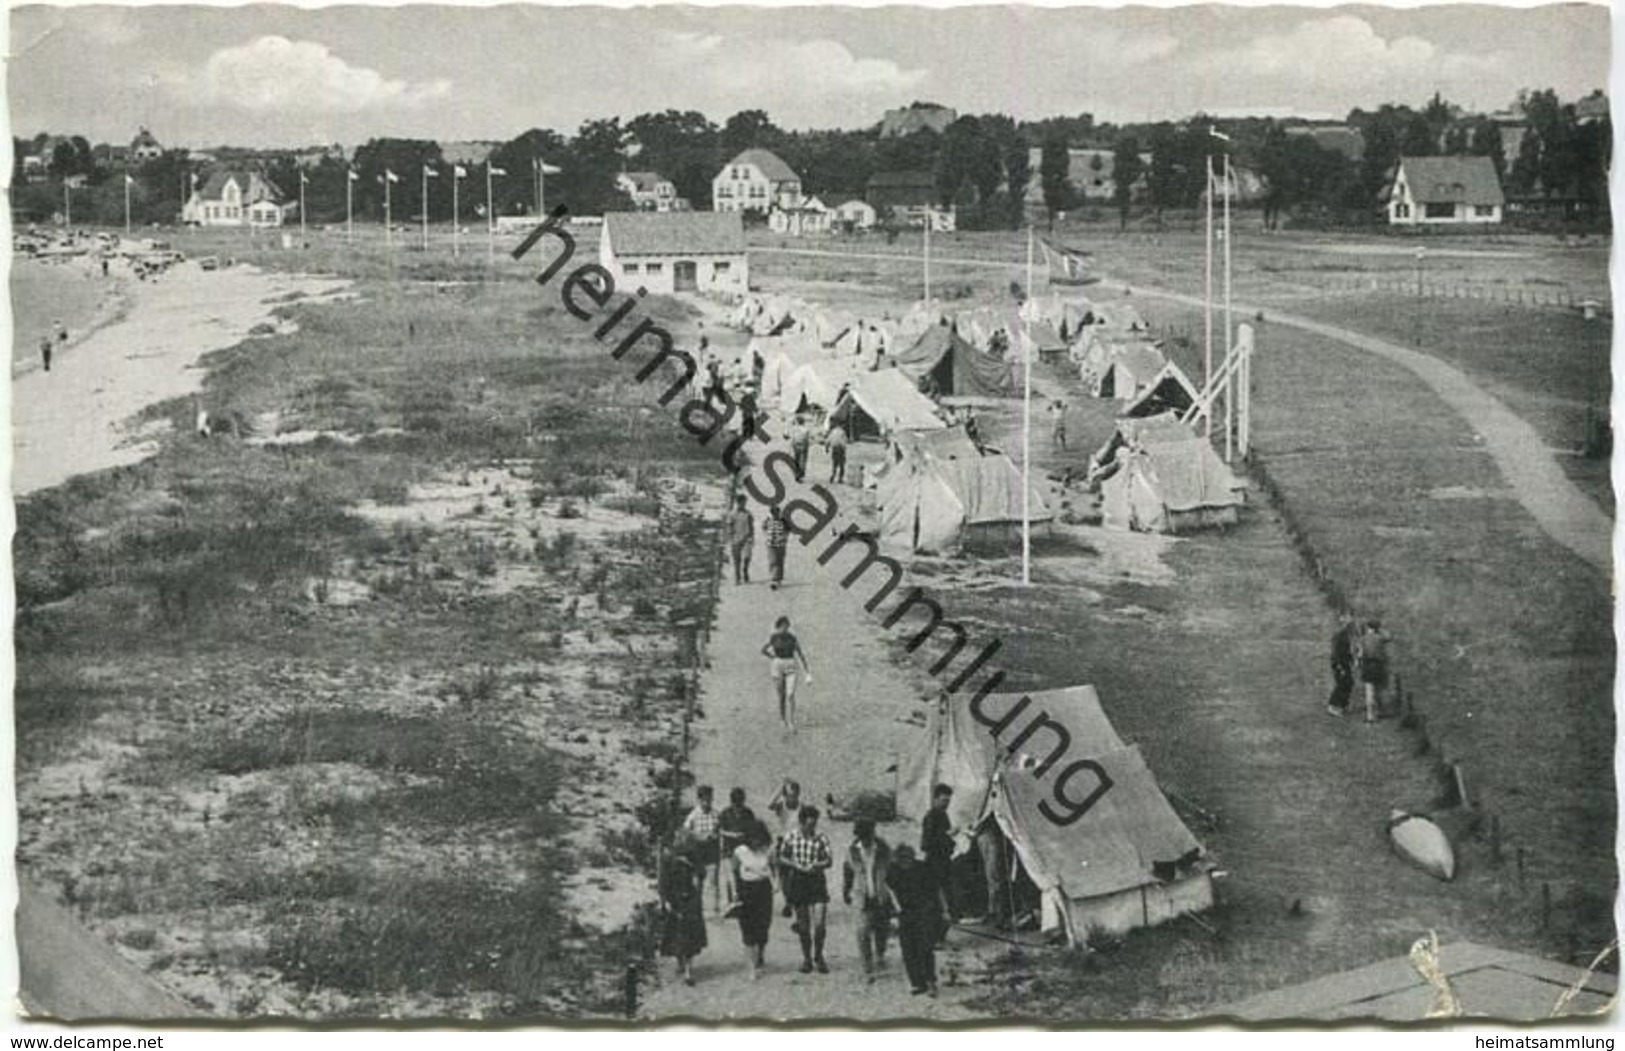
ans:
(495, 171)
(1217, 134)
(1067, 266)
(544, 167)
(354, 175)
(390, 176)
(129, 180)
(430, 173)
(304, 180)
(459, 172)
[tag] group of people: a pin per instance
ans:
(749, 864)
(1362, 651)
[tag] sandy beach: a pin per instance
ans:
(75, 418)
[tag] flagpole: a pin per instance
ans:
(456, 241)
(1207, 303)
(127, 181)
(928, 224)
(67, 204)
(536, 163)
(490, 220)
(1230, 380)
(1027, 428)
(301, 209)
(389, 230)
(424, 178)
(349, 205)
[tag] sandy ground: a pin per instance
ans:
(72, 419)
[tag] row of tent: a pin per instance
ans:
(941, 493)
(1158, 475)
(1087, 820)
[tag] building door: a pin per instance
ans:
(685, 276)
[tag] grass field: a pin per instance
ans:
(380, 722)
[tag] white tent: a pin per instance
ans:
(1088, 821)
(940, 501)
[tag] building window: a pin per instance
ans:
(1484, 211)
(1402, 211)
(629, 268)
(654, 268)
(1439, 210)
(720, 268)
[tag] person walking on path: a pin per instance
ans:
(703, 826)
(919, 918)
(754, 880)
(835, 441)
(863, 883)
(741, 539)
(45, 346)
(1057, 434)
(778, 544)
(732, 825)
(683, 917)
(804, 858)
(800, 442)
(1344, 643)
(1375, 645)
(61, 331)
(937, 844)
(784, 653)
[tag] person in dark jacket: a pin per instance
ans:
(919, 918)
(683, 915)
(1344, 643)
(937, 844)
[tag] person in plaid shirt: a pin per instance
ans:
(778, 543)
(804, 857)
(703, 825)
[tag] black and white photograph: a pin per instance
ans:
(1049, 516)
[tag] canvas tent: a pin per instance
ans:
(817, 384)
(885, 402)
(1086, 818)
(1127, 372)
(940, 501)
(1170, 486)
(953, 367)
(1170, 390)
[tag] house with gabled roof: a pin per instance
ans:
(1433, 191)
(145, 147)
(667, 252)
(755, 181)
(235, 198)
(650, 191)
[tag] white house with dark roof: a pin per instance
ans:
(1434, 191)
(236, 198)
(145, 147)
(676, 251)
(755, 181)
(650, 191)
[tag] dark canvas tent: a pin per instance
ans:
(1088, 821)
(1168, 391)
(953, 367)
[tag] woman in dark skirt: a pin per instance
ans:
(683, 935)
(919, 918)
(754, 884)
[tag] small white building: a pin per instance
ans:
(666, 252)
(650, 191)
(755, 181)
(145, 147)
(1434, 191)
(807, 218)
(855, 215)
(235, 199)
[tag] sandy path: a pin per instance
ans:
(1533, 474)
(70, 420)
(850, 733)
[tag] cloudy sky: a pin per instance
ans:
(271, 75)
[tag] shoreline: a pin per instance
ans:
(75, 419)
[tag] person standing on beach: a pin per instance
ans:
(741, 539)
(800, 442)
(702, 825)
(45, 346)
(864, 873)
(778, 544)
(919, 918)
(1343, 646)
(1375, 644)
(783, 652)
(835, 440)
(937, 844)
(804, 858)
(754, 879)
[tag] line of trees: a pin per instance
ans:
(979, 163)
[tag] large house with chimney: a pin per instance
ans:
(651, 192)
(1437, 191)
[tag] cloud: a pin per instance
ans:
(1344, 50)
(799, 69)
(273, 73)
